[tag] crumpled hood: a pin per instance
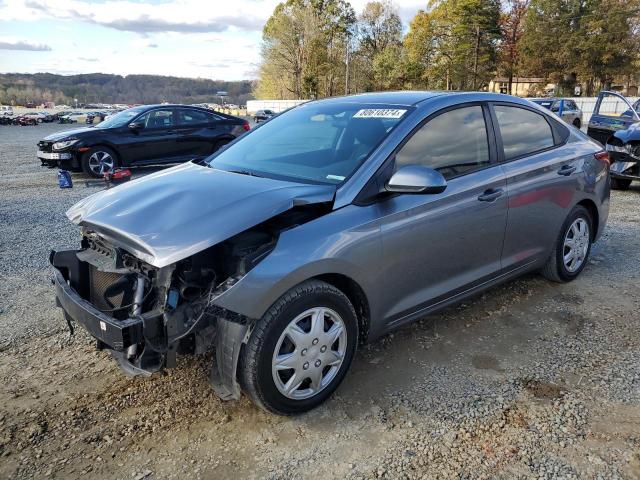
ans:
(76, 132)
(172, 214)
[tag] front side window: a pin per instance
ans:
(453, 143)
(318, 142)
(157, 119)
(523, 132)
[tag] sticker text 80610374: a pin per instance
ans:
(380, 113)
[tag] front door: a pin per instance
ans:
(438, 245)
(155, 141)
(612, 112)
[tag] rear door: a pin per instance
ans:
(542, 180)
(154, 142)
(198, 131)
(612, 112)
(439, 245)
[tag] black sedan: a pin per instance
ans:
(145, 135)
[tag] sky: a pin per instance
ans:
(215, 39)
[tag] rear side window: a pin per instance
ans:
(195, 117)
(453, 143)
(523, 132)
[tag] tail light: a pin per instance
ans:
(603, 157)
(246, 126)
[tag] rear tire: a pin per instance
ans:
(620, 183)
(577, 124)
(98, 161)
(572, 247)
(288, 366)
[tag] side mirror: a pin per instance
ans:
(135, 126)
(416, 179)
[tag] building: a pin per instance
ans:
(521, 86)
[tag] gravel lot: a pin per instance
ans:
(530, 380)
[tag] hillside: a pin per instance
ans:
(20, 88)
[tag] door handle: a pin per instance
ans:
(490, 195)
(566, 170)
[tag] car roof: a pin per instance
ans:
(172, 105)
(412, 98)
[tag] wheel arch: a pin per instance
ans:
(356, 295)
(595, 215)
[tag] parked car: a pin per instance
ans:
(565, 108)
(5, 120)
(47, 117)
(73, 117)
(263, 115)
(616, 124)
(337, 221)
(37, 116)
(6, 111)
(146, 135)
(24, 120)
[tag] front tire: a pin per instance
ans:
(620, 183)
(577, 124)
(572, 248)
(98, 160)
(301, 349)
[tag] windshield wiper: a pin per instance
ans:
(244, 172)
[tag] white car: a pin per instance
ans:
(6, 111)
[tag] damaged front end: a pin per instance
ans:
(146, 315)
(624, 151)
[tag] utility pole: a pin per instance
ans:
(475, 57)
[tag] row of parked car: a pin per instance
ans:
(64, 116)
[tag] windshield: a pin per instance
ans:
(318, 142)
(121, 119)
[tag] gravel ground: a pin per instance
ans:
(529, 380)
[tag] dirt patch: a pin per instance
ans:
(543, 389)
(485, 362)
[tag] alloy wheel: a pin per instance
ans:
(576, 245)
(101, 162)
(309, 353)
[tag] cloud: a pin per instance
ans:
(183, 17)
(10, 44)
(87, 59)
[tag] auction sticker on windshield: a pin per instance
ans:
(379, 113)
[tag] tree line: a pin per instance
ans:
(20, 89)
(319, 48)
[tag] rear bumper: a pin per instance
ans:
(115, 334)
